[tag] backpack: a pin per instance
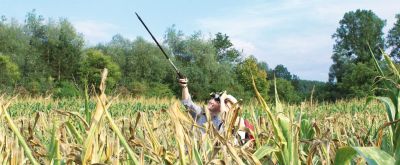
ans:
(248, 125)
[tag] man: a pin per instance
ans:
(218, 104)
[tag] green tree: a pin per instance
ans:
(357, 30)
(33, 67)
(175, 39)
(264, 66)
(285, 90)
(203, 68)
(14, 45)
(363, 75)
(148, 67)
(93, 63)
(393, 39)
(147, 63)
(246, 69)
(144, 69)
(225, 50)
(13, 40)
(53, 54)
(61, 50)
(9, 74)
(281, 71)
(197, 58)
(120, 50)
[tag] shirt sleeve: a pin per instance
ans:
(193, 108)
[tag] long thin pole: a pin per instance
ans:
(159, 46)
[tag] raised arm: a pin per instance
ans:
(185, 90)
(187, 100)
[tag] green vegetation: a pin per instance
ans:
(125, 131)
(42, 57)
(308, 122)
(10, 73)
(149, 129)
(352, 71)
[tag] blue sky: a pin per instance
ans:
(295, 33)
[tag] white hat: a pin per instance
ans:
(231, 99)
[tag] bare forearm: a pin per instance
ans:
(185, 93)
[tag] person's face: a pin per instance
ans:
(213, 106)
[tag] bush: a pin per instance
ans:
(33, 87)
(122, 91)
(9, 71)
(65, 89)
(138, 88)
(150, 89)
(92, 66)
(159, 90)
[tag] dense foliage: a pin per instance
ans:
(359, 33)
(50, 59)
(44, 57)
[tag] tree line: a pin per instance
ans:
(49, 57)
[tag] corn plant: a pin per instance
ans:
(285, 130)
(99, 130)
(374, 155)
(21, 140)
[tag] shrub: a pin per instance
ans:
(138, 88)
(9, 71)
(159, 90)
(65, 89)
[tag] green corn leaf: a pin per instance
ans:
(376, 62)
(390, 108)
(196, 154)
(372, 155)
(264, 150)
(21, 139)
(391, 65)
(344, 155)
(75, 132)
(396, 142)
(278, 104)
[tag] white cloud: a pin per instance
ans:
(236, 26)
(294, 33)
(304, 56)
(96, 32)
(335, 11)
(244, 45)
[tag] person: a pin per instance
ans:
(218, 104)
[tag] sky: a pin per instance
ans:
(295, 33)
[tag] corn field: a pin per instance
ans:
(109, 130)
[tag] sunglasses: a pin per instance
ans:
(216, 96)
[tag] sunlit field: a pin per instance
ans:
(96, 84)
(159, 131)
